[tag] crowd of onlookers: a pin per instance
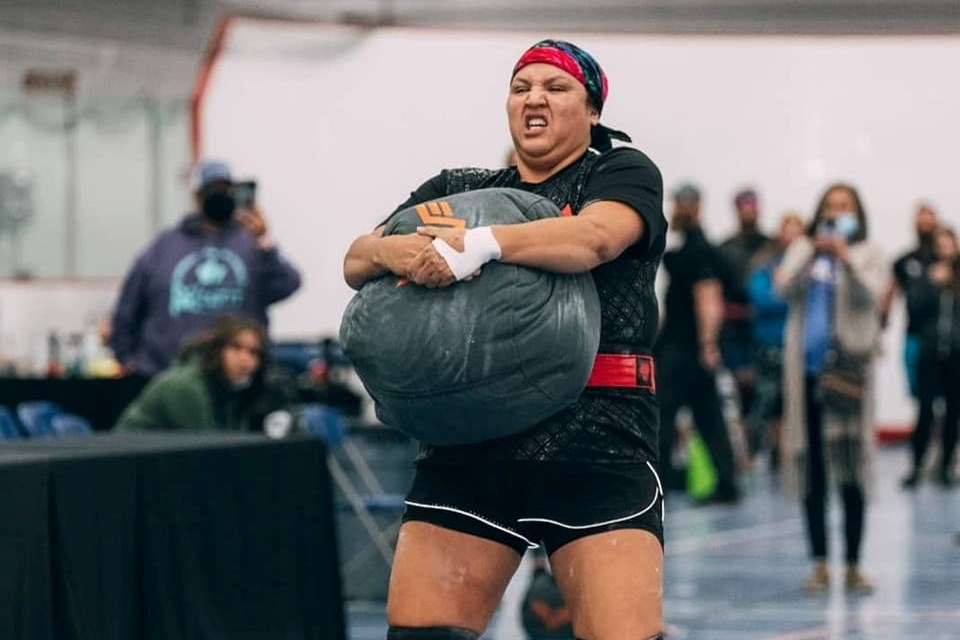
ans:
(795, 321)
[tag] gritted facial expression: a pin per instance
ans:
(241, 357)
(549, 116)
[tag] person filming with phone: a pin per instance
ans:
(218, 260)
(832, 280)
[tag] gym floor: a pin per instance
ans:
(735, 573)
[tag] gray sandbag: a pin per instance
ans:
(481, 359)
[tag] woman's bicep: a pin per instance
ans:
(616, 225)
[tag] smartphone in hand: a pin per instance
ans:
(245, 193)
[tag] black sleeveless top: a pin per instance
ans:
(604, 425)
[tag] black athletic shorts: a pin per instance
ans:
(523, 503)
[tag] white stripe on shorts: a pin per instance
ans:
(656, 494)
(530, 545)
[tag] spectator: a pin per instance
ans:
(832, 279)
(909, 271)
(769, 321)
(217, 261)
(687, 354)
(218, 384)
(935, 301)
(737, 254)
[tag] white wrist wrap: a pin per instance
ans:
(479, 248)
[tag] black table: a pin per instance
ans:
(99, 400)
(168, 537)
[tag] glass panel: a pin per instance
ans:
(130, 161)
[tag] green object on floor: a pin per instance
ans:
(701, 474)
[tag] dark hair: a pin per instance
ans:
(956, 259)
(207, 350)
(862, 230)
(949, 231)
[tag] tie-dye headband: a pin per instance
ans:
(574, 61)
(582, 66)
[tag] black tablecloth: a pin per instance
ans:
(168, 537)
(99, 400)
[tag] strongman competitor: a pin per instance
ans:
(584, 480)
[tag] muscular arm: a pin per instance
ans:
(600, 233)
(373, 255)
(576, 244)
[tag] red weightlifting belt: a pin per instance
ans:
(625, 371)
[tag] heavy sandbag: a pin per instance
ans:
(481, 359)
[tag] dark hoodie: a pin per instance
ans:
(184, 281)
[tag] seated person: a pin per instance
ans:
(216, 385)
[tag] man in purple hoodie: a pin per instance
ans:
(216, 261)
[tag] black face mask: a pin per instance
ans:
(218, 207)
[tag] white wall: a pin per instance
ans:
(114, 172)
(338, 125)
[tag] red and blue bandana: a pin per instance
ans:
(572, 59)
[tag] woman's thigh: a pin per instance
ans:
(613, 584)
(442, 577)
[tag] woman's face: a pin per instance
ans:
(838, 201)
(549, 117)
(241, 357)
(945, 246)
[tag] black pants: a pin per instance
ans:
(937, 378)
(682, 381)
(815, 501)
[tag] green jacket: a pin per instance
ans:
(181, 399)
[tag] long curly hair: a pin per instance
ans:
(207, 350)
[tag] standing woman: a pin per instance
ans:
(832, 279)
(216, 385)
(583, 480)
(936, 299)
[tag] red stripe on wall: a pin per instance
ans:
(893, 433)
(200, 89)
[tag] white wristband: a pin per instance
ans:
(479, 248)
